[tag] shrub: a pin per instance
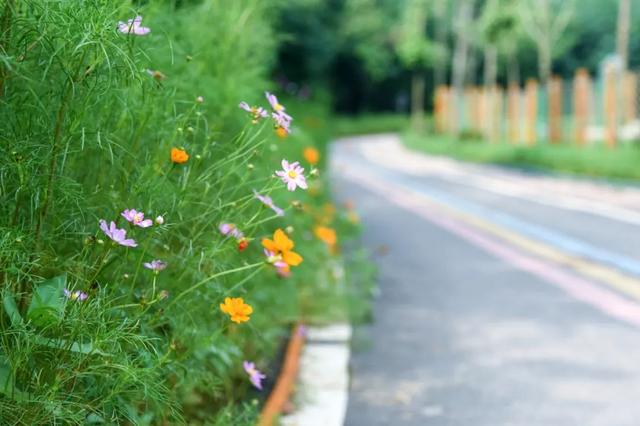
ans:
(95, 122)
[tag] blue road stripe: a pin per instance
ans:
(556, 239)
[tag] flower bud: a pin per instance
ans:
(199, 100)
(159, 220)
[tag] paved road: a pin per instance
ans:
(506, 298)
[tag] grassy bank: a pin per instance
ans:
(369, 124)
(597, 161)
(135, 282)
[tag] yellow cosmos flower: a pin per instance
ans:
(236, 309)
(311, 155)
(179, 156)
(282, 245)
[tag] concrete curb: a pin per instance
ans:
(323, 382)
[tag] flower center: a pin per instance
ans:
(278, 107)
(137, 218)
(292, 174)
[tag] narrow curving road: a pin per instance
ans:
(506, 297)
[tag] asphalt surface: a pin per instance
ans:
(506, 298)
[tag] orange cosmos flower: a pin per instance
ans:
(236, 309)
(325, 234)
(311, 155)
(282, 245)
(281, 132)
(179, 156)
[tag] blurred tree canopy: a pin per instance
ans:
(365, 52)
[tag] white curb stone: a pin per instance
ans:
(323, 381)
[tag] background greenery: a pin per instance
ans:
(354, 47)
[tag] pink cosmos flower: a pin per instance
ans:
(267, 201)
(118, 236)
(155, 265)
(137, 218)
(277, 107)
(75, 295)
(282, 121)
(255, 376)
(291, 174)
(256, 112)
(133, 26)
(282, 268)
(230, 229)
(275, 259)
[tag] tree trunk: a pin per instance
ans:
(622, 39)
(513, 70)
(472, 64)
(544, 60)
(440, 68)
(490, 66)
(460, 58)
(417, 101)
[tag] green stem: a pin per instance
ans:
(212, 277)
(240, 283)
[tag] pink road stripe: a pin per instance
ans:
(579, 288)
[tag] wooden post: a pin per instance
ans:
(497, 114)
(630, 96)
(611, 105)
(531, 111)
(468, 109)
(452, 112)
(513, 113)
(475, 109)
(483, 112)
(555, 109)
(581, 105)
(440, 108)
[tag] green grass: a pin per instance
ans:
(369, 124)
(597, 161)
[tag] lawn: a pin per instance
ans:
(597, 160)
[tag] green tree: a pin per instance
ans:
(545, 21)
(501, 33)
(415, 53)
(365, 31)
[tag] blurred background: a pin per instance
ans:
(366, 51)
(532, 73)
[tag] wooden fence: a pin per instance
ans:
(580, 111)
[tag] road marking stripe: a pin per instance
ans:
(626, 284)
(581, 289)
(450, 170)
(556, 239)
